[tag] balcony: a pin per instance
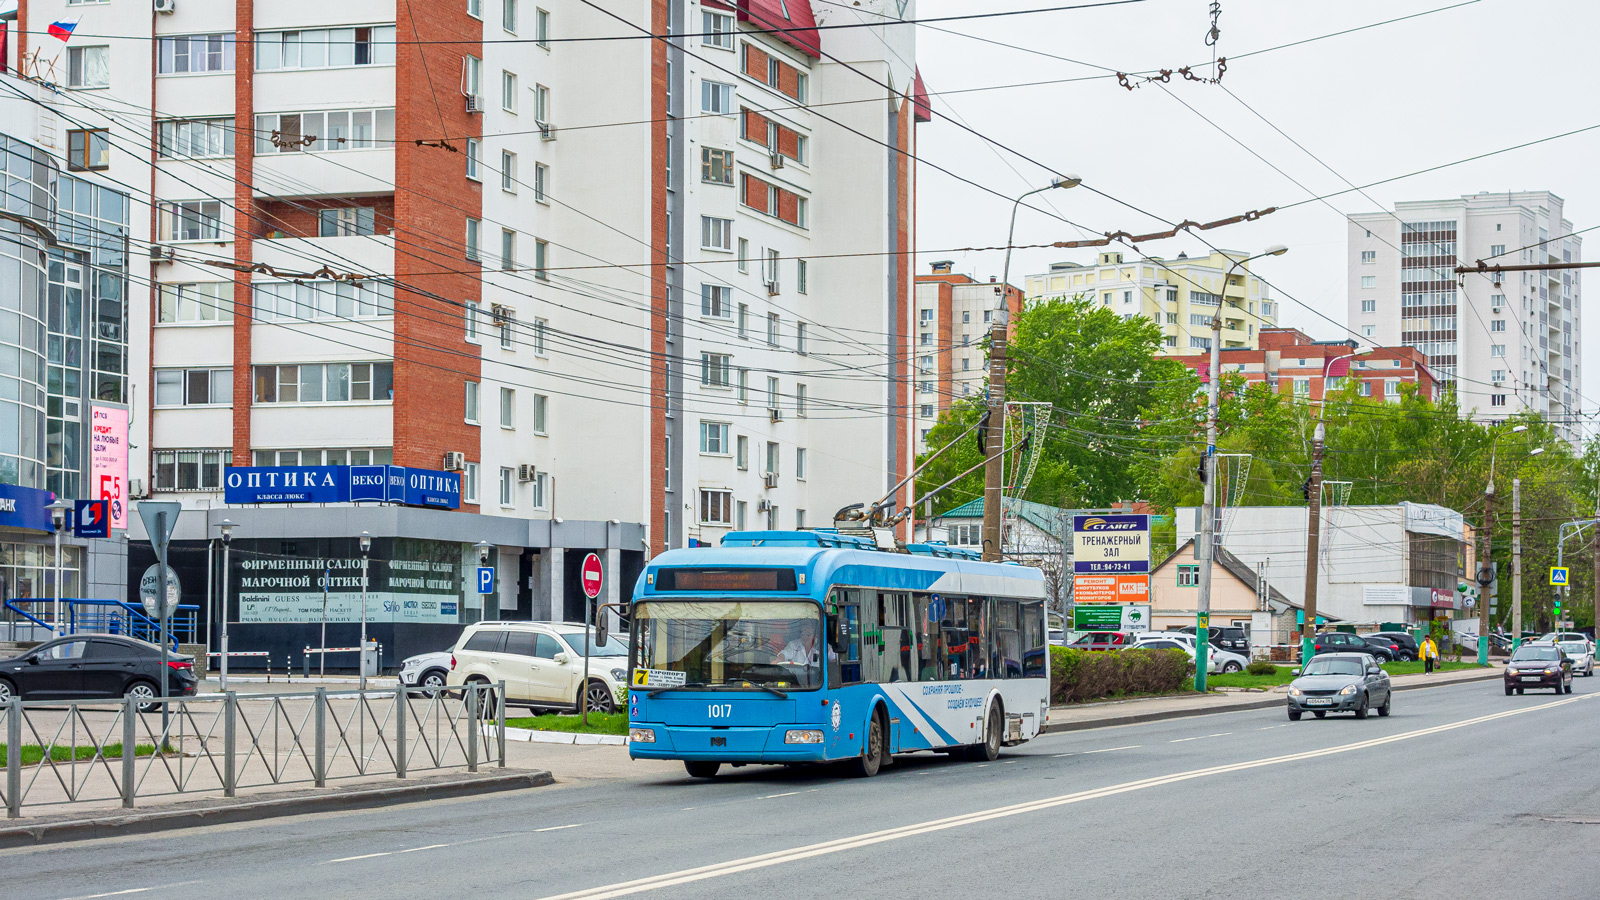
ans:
(337, 173)
(365, 253)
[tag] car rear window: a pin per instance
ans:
(485, 641)
(521, 643)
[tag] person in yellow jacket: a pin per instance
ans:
(1429, 651)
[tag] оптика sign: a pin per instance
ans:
(342, 484)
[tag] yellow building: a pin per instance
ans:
(1180, 294)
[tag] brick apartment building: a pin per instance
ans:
(1292, 363)
(953, 316)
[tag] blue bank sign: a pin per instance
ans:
(342, 484)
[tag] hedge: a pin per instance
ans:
(1079, 675)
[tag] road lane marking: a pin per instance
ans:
(733, 867)
(775, 796)
(1060, 755)
(558, 828)
(429, 847)
(1220, 734)
(124, 893)
(1181, 740)
(362, 856)
(1109, 749)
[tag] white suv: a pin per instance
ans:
(541, 664)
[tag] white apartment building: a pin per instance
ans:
(1508, 345)
(1180, 294)
(572, 279)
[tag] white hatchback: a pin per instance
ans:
(542, 664)
(1218, 660)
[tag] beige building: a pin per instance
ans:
(1180, 294)
(1240, 598)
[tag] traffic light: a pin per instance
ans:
(1558, 606)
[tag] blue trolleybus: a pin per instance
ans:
(811, 646)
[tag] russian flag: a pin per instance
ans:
(62, 30)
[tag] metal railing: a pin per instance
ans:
(81, 615)
(65, 752)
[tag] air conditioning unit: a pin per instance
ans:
(136, 488)
(763, 506)
(547, 131)
(776, 414)
(772, 287)
(776, 159)
(166, 7)
(474, 103)
(160, 253)
(455, 461)
(526, 473)
(770, 479)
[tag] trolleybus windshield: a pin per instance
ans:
(742, 643)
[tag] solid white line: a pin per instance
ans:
(558, 828)
(114, 893)
(1181, 740)
(1220, 734)
(363, 856)
(733, 867)
(1060, 755)
(429, 847)
(786, 794)
(1109, 749)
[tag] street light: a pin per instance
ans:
(1486, 567)
(993, 464)
(366, 550)
(1208, 525)
(226, 527)
(58, 518)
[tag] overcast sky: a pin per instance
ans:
(1372, 105)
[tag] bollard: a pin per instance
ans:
(14, 758)
(500, 721)
(320, 707)
(129, 735)
(230, 710)
(472, 727)
(305, 663)
(400, 709)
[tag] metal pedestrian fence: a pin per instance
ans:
(58, 753)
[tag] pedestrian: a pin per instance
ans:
(1430, 653)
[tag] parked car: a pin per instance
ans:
(1217, 660)
(1058, 638)
(1538, 665)
(541, 664)
(1407, 643)
(1340, 642)
(95, 667)
(426, 670)
(1384, 645)
(1231, 638)
(1102, 640)
(1582, 655)
(1340, 682)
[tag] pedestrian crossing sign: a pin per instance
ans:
(1558, 575)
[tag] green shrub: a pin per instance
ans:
(1262, 667)
(1080, 675)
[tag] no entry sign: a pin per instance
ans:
(592, 575)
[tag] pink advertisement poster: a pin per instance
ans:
(108, 460)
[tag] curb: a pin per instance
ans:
(563, 737)
(1141, 718)
(249, 811)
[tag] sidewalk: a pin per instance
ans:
(1109, 713)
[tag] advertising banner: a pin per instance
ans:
(1111, 617)
(1106, 545)
(1110, 589)
(342, 484)
(401, 590)
(108, 460)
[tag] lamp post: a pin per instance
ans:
(226, 527)
(366, 551)
(994, 444)
(58, 518)
(1486, 567)
(1204, 552)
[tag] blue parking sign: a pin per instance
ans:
(485, 579)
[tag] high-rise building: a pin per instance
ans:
(954, 313)
(1505, 344)
(1181, 295)
(604, 296)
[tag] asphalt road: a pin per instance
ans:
(1462, 792)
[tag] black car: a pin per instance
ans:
(1340, 642)
(1384, 645)
(1227, 637)
(1407, 643)
(1539, 666)
(95, 667)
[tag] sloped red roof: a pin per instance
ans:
(919, 100)
(784, 14)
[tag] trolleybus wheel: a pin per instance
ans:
(699, 768)
(871, 758)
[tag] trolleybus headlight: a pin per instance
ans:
(642, 735)
(803, 737)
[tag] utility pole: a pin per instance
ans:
(1486, 573)
(1516, 563)
(1595, 610)
(1308, 633)
(1205, 548)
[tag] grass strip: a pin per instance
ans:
(599, 723)
(33, 754)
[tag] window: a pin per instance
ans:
(714, 438)
(772, 518)
(194, 138)
(716, 507)
(504, 320)
(474, 226)
(772, 458)
(541, 414)
(325, 383)
(800, 400)
(799, 518)
(741, 454)
(508, 88)
(1302, 387)
(1366, 389)
(1497, 250)
(769, 270)
(772, 393)
(739, 515)
(1199, 343)
(541, 28)
(474, 146)
(714, 369)
(1200, 319)
(475, 8)
(715, 97)
(744, 386)
(800, 338)
(344, 221)
(1497, 325)
(508, 249)
(771, 200)
(744, 321)
(1368, 257)
(1368, 306)
(1497, 399)
(469, 483)
(192, 220)
(541, 490)
(715, 233)
(716, 30)
(472, 77)
(1369, 281)
(326, 48)
(926, 411)
(541, 261)
(194, 387)
(716, 166)
(324, 132)
(540, 327)
(1497, 375)
(716, 300)
(1498, 301)
(1369, 330)
(89, 149)
(926, 338)
(190, 470)
(88, 67)
(205, 303)
(473, 311)
(1188, 576)
(508, 408)
(1497, 349)
(541, 178)
(772, 329)
(800, 463)
(541, 104)
(472, 403)
(508, 15)
(925, 316)
(800, 275)
(507, 487)
(194, 53)
(508, 171)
